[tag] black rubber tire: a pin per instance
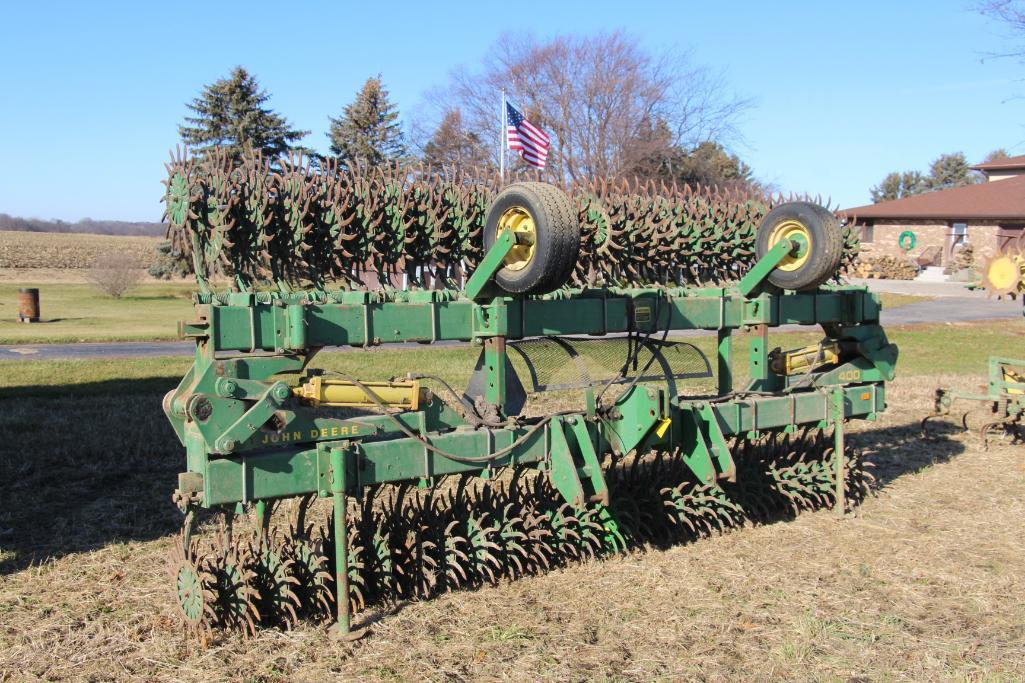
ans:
(558, 237)
(826, 244)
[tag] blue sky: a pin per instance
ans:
(91, 93)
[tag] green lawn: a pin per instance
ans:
(891, 300)
(78, 312)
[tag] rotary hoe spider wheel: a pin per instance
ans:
(232, 587)
(273, 582)
(193, 584)
(291, 222)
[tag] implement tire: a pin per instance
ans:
(545, 215)
(818, 259)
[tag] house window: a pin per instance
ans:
(867, 234)
(960, 232)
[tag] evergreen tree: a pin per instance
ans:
(368, 128)
(998, 154)
(950, 170)
(655, 155)
(170, 263)
(708, 164)
(945, 172)
(230, 114)
(453, 146)
(898, 186)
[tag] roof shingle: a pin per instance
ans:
(996, 200)
(1007, 164)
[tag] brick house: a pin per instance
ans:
(986, 215)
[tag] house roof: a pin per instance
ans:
(997, 200)
(1007, 164)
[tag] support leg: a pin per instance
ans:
(839, 472)
(343, 627)
(724, 371)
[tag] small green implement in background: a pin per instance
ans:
(582, 431)
(1003, 274)
(1005, 395)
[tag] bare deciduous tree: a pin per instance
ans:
(115, 274)
(1012, 14)
(596, 95)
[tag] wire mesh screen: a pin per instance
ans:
(560, 363)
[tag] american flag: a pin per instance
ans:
(525, 138)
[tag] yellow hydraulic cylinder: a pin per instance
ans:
(804, 359)
(339, 393)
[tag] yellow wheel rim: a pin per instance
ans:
(521, 223)
(1002, 274)
(796, 231)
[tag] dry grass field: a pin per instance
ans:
(54, 250)
(923, 582)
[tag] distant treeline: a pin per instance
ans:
(86, 225)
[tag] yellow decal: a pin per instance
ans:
(660, 430)
(334, 432)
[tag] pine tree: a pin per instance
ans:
(654, 154)
(898, 186)
(170, 263)
(230, 114)
(708, 164)
(950, 170)
(368, 128)
(453, 146)
(998, 154)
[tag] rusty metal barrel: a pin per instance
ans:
(28, 305)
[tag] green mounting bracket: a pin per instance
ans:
(717, 446)
(638, 411)
(876, 362)
(705, 445)
(765, 265)
(568, 475)
(477, 286)
(254, 418)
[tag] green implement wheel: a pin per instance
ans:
(191, 582)
(544, 221)
(818, 243)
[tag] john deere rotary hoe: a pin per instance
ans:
(581, 432)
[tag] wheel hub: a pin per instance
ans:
(521, 223)
(190, 593)
(797, 232)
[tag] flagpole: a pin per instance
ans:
(502, 141)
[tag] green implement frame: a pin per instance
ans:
(249, 440)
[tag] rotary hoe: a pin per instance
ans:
(597, 419)
(1003, 274)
